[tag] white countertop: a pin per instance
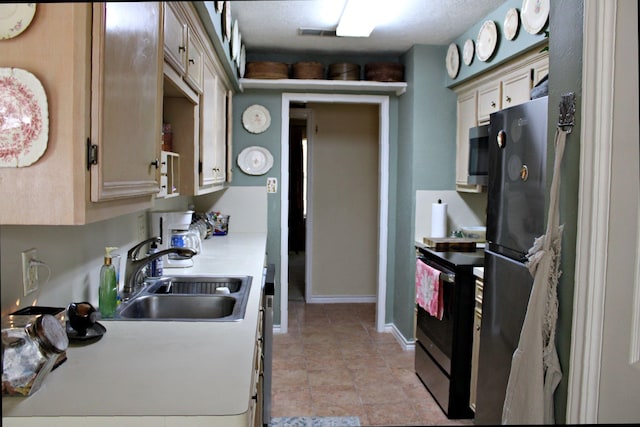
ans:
(166, 371)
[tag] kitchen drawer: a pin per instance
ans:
(434, 378)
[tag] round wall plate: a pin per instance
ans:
(255, 160)
(487, 40)
(511, 24)
(24, 124)
(15, 18)
(468, 51)
(256, 118)
(453, 60)
(534, 15)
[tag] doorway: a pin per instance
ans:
(380, 249)
(299, 127)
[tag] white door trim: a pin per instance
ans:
(383, 208)
(593, 211)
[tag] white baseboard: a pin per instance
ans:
(342, 299)
(404, 343)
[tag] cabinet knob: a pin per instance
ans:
(493, 104)
(191, 61)
(156, 163)
(181, 49)
(508, 99)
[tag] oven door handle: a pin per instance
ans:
(447, 277)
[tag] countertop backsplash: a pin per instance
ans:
(463, 209)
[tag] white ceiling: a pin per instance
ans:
(272, 26)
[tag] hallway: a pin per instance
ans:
(332, 362)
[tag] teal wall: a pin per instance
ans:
(270, 139)
(505, 49)
(426, 160)
(565, 71)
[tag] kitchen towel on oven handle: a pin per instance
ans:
(428, 292)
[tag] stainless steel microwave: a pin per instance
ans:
(478, 168)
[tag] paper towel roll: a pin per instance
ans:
(439, 219)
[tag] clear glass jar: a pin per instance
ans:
(29, 352)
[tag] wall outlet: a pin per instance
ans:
(272, 185)
(29, 272)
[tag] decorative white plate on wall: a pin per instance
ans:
(256, 118)
(15, 18)
(243, 61)
(511, 23)
(226, 20)
(468, 51)
(487, 40)
(453, 60)
(534, 15)
(255, 160)
(24, 125)
(235, 40)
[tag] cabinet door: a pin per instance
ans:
(466, 119)
(488, 101)
(516, 88)
(126, 99)
(540, 70)
(221, 133)
(195, 62)
(211, 126)
(175, 38)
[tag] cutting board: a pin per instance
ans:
(457, 244)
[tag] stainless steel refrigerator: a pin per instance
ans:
(515, 217)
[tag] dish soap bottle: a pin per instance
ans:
(155, 266)
(108, 291)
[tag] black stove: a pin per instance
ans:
(443, 346)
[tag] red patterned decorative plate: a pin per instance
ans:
(24, 118)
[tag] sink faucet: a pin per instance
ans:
(135, 266)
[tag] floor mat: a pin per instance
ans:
(314, 422)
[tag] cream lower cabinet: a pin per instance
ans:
(505, 87)
(475, 350)
(101, 142)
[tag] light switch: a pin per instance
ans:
(272, 185)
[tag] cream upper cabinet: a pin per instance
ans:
(505, 87)
(67, 54)
(183, 48)
(214, 128)
(126, 109)
(195, 103)
(466, 119)
(488, 100)
(516, 87)
(175, 38)
(195, 62)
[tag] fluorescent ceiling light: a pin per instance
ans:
(359, 18)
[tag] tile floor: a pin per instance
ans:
(332, 362)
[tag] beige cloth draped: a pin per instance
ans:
(535, 368)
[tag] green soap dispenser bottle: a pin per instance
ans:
(108, 292)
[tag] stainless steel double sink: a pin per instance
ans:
(189, 298)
